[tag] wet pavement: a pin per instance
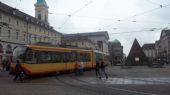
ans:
(138, 80)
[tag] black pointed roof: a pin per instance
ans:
(136, 53)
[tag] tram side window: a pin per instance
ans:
(99, 56)
(30, 56)
(69, 57)
(72, 57)
(56, 57)
(44, 57)
(83, 57)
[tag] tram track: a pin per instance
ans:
(85, 86)
(101, 89)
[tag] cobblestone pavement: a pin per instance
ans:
(133, 81)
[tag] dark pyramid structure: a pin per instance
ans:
(136, 55)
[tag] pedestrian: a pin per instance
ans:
(18, 71)
(103, 66)
(4, 64)
(7, 65)
(97, 69)
(77, 68)
(81, 68)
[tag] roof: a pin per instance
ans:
(58, 49)
(89, 34)
(149, 46)
(23, 16)
(116, 42)
(41, 3)
(166, 31)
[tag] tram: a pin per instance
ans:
(37, 60)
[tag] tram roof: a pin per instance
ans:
(59, 49)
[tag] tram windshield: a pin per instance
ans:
(19, 53)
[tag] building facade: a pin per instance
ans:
(100, 39)
(149, 50)
(163, 45)
(116, 52)
(18, 28)
(78, 42)
(158, 48)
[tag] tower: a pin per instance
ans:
(41, 10)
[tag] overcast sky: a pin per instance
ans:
(123, 19)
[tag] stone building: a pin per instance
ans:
(116, 52)
(149, 50)
(77, 41)
(18, 28)
(158, 48)
(100, 39)
(163, 45)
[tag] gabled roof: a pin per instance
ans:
(89, 34)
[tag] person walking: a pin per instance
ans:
(81, 68)
(77, 68)
(97, 69)
(3, 64)
(18, 71)
(102, 66)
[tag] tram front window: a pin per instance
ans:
(19, 54)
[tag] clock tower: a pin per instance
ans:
(41, 11)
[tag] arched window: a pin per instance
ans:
(39, 16)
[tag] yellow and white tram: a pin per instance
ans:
(44, 59)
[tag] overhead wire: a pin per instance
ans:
(136, 15)
(70, 15)
(151, 29)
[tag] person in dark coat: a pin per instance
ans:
(102, 66)
(3, 64)
(18, 71)
(97, 68)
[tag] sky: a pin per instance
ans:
(124, 20)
